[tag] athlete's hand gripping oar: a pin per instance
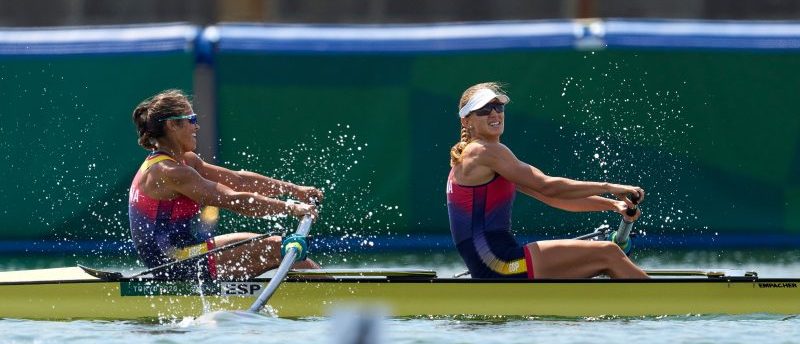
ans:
(295, 249)
(622, 236)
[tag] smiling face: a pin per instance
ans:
(487, 123)
(181, 130)
(166, 121)
(184, 133)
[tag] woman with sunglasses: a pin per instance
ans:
(173, 183)
(481, 187)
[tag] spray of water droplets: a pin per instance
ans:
(350, 217)
(622, 130)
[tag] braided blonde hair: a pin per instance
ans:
(466, 136)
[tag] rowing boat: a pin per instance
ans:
(83, 293)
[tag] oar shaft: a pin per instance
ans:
(275, 282)
(625, 227)
(623, 232)
(200, 256)
(305, 226)
(591, 235)
(288, 260)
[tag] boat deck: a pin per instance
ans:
(78, 294)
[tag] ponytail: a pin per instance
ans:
(149, 113)
(140, 118)
(458, 148)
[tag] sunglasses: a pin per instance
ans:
(486, 110)
(191, 117)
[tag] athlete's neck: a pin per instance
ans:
(171, 150)
(488, 139)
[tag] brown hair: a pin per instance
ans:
(466, 138)
(148, 114)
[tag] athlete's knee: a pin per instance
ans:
(269, 248)
(269, 244)
(275, 241)
(610, 251)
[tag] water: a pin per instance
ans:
(231, 327)
(688, 329)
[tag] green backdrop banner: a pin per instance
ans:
(711, 135)
(69, 141)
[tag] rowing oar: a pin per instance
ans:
(202, 255)
(624, 229)
(294, 250)
(621, 236)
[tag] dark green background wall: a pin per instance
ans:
(68, 141)
(711, 135)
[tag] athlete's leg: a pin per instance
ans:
(581, 259)
(252, 259)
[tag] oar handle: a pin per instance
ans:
(625, 227)
(635, 200)
(288, 260)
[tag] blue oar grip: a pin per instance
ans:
(297, 242)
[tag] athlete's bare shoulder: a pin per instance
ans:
(480, 150)
(155, 180)
(176, 172)
(193, 160)
(475, 167)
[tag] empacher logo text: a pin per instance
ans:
(777, 285)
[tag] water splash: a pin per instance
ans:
(331, 161)
(222, 319)
(622, 129)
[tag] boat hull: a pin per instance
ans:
(150, 299)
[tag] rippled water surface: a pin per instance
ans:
(229, 329)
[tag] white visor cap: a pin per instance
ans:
(479, 99)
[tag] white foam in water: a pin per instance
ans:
(232, 318)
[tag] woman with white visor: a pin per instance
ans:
(481, 187)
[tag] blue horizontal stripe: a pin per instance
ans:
(392, 38)
(666, 34)
(323, 244)
(699, 42)
(98, 40)
(59, 246)
(432, 38)
(670, 241)
(680, 34)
